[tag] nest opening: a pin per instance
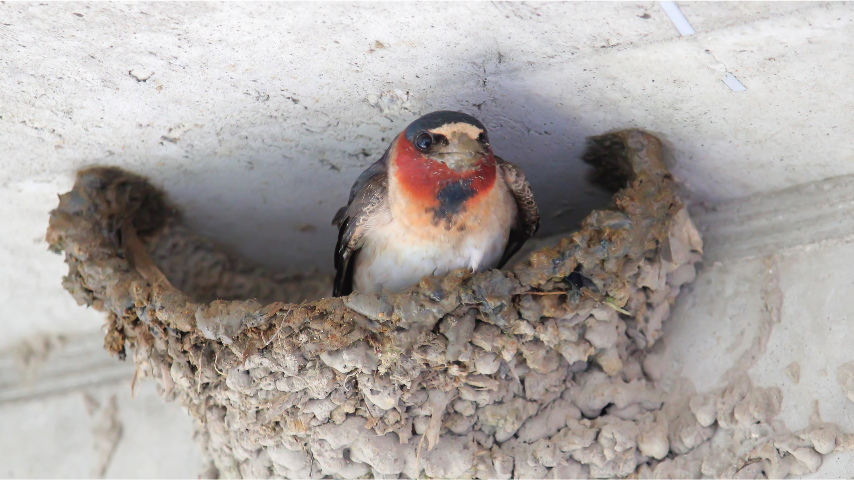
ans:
(540, 370)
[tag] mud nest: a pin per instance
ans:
(534, 372)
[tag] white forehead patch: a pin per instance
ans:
(470, 130)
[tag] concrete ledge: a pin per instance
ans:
(761, 224)
(50, 366)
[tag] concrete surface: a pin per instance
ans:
(258, 117)
(74, 436)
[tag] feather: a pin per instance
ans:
(367, 197)
(528, 218)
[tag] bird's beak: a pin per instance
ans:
(462, 152)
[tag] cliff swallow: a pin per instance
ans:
(436, 201)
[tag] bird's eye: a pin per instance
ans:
(423, 141)
(482, 139)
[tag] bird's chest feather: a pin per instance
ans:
(435, 227)
(411, 245)
(428, 196)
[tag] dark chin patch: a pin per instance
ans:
(452, 197)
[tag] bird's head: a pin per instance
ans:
(456, 140)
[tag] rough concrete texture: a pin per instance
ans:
(98, 432)
(545, 372)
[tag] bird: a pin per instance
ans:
(436, 201)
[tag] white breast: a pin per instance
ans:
(396, 256)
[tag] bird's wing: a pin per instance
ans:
(367, 197)
(528, 219)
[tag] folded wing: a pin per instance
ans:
(528, 220)
(368, 195)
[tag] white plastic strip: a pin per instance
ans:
(677, 18)
(733, 83)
